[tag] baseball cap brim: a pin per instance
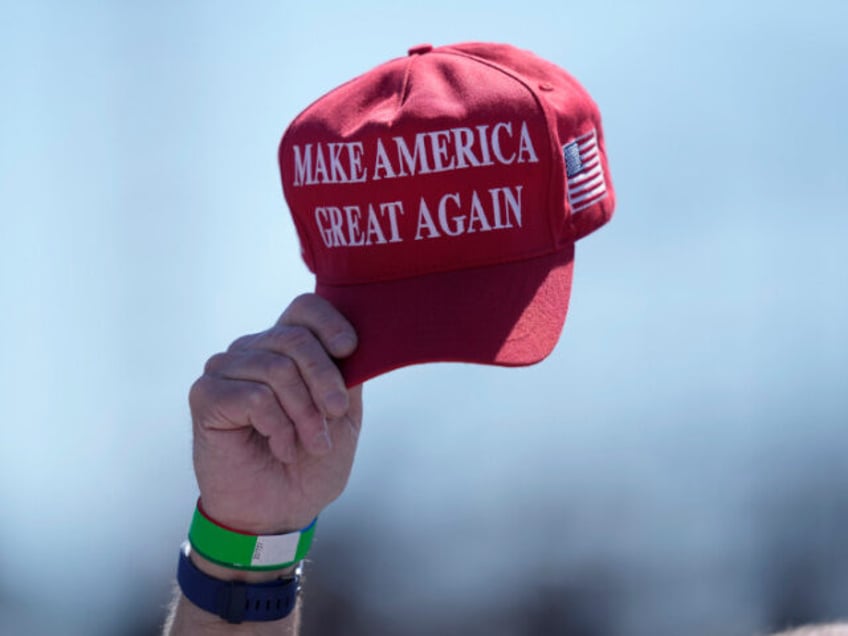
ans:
(509, 315)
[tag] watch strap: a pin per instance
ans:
(236, 601)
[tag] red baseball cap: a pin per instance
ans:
(438, 198)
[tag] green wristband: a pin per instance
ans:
(247, 551)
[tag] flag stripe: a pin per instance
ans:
(587, 185)
(601, 188)
(588, 155)
(592, 171)
(590, 203)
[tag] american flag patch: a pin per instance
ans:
(586, 185)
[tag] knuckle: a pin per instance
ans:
(243, 342)
(306, 307)
(329, 321)
(302, 301)
(200, 393)
(255, 396)
(282, 368)
(318, 367)
(295, 338)
(215, 393)
(216, 362)
(296, 308)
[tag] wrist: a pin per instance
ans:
(234, 596)
(234, 549)
(223, 573)
(250, 521)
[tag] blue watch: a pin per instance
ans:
(236, 601)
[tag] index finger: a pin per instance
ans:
(319, 316)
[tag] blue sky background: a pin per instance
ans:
(698, 387)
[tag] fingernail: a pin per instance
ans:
(343, 344)
(336, 403)
(323, 443)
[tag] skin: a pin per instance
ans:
(275, 434)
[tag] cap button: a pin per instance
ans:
(420, 49)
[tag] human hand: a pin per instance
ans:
(275, 428)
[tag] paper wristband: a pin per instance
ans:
(247, 551)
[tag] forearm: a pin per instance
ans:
(186, 619)
(834, 629)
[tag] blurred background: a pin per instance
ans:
(677, 466)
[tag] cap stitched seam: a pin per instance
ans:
(404, 89)
(541, 105)
(307, 243)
